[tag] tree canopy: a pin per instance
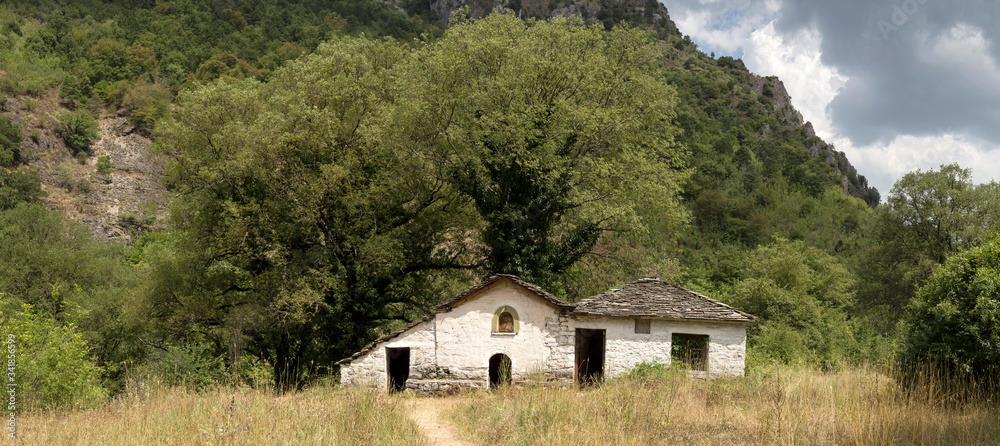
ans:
(955, 317)
(928, 217)
(340, 196)
(558, 132)
(801, 296)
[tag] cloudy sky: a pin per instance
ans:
(897, 85)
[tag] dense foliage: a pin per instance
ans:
(801, 296)
(929, 216)
(10, 143)
(79, 130)
(557, 132)
(53, 360)
(308, 221)
(955, 317)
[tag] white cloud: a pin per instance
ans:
(722, 26)
(797, 62)
(884, 164)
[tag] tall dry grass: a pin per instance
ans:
(854, 406)
(176, 416)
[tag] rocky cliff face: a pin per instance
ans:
(115, 200)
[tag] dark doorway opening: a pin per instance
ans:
(589, 356)
(397, 366)
(499, 370)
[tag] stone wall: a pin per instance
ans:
(561, 344)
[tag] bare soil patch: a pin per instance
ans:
(429, 414)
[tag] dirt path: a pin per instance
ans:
(429, 414)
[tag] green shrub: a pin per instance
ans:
(79, 130)
(29, 75)
(146, 103)
(955, 317)
(71, 88)
(104, 165)
(652, 370)
(65, 172)
(226, 66)
(800, 296)
(17, 187)
(52, 364)
(10, 143)
(84, 185)
(197, 364)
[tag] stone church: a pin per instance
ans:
(507, 330)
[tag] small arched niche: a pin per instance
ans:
(505, 321)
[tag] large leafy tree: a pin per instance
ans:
(301, 235)
(559, 133)
(955, 317)
(928, 217)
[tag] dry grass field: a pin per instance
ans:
(319, 416)
(785, 405)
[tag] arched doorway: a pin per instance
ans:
(499, 370)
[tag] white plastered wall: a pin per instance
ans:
(624, 349)
(466, 342)
(369, 369)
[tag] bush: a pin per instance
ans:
(79, 130)
(197, 364)
(52, 360)
(955, 317)
(10, 143)
(65, 172)
(104, 165)
(653, 370)
(17, 187)
(146, 103)
(226, 66)
(28, 75)
(801, 296)
(71, 88)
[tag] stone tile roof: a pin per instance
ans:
(537, 290)
(449, 304)
(654, 298)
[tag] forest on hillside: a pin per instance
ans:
(335, 169)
